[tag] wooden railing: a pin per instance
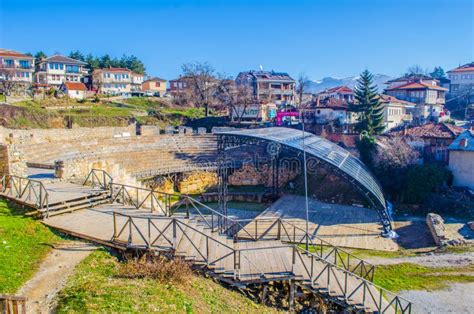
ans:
(25, 190)
(99, 178)
(168, 234)
(385, 301)
(10, 304)
(318, 272)
(287, 231)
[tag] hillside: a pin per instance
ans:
(59, 113)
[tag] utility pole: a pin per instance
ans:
(305, 181)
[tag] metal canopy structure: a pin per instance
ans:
(319, 150)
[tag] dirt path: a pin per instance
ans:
(429, 260)
(455, 299)
(52, 274)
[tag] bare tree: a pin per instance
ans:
(7, 80)
(301, 87)
(201, 83)
(236, 98)
(417, 70)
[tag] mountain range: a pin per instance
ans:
(351, 81)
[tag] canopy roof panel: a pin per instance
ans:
(320, 149)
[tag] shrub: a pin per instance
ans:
(421, 181)
(156, 267)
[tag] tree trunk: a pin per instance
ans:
(206, 110)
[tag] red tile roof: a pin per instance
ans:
(12, 53)
(75, 86)
(391, 99)
(115, 70)
(339, 89)
(418, 85)
(336, 104)
(437, 130)
(464, 68)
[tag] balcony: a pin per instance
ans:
(16, 66)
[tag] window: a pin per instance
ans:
(61, 66)
(24, 64)
(51, 66)
(157, 84)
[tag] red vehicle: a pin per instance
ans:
(287, 118)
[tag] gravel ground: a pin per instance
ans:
(429, 260)
(455, 299)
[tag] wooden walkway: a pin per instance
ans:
(228, 257)
(238, 263)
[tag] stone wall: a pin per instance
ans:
(197, 182)
(4, 165)
(12, 161)
(10, 136)
(249, 175)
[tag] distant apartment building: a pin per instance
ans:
(58, 69)
(425, 92)
(112, 81)
(16, 67)
(136, 81)
(154, 85)
(462, 81)
(269, 86)
(396, 112)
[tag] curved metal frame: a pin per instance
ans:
(328, 154)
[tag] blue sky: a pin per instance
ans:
(320, 37)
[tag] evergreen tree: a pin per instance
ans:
(438, 73)
(77, 55)
(368, 105)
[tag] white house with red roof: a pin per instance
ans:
(112, 81)
(343, 94)
(76, 90)
(425, 92)
(396, 112)
(58, 69)
(16, 67)
(462, 80)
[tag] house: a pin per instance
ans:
(462, 81)
(342, 93)
(331, 105)
(136, 81)
(74, 90)
(17, 68)
(269, 86)
(58, 69)
(178, 85)
(431, 139)
(461, 159)
(155, 85)
(112, 81)
(425, 92)
(396, 112)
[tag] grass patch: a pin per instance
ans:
(23, 244)
(97, 286)
(408, 276)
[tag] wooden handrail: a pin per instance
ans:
(32, 189)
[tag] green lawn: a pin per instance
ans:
(96, 287)
(23, 244)
(407, 276)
